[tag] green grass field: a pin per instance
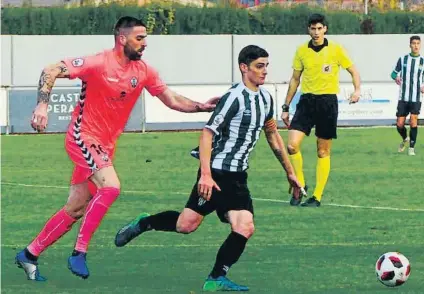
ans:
(373, 204)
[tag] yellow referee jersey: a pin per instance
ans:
(320, 70)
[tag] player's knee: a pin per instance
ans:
(400, 125)
(323, 153)
(74, 211)
(413, 122)
(187, 227)
(245, 229)
(292, 148)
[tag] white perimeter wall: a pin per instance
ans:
(205, 66)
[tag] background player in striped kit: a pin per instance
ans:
(409, 75)
(112, 83)
(225, 145)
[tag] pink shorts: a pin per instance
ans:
(88, 155)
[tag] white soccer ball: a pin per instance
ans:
(392, 269)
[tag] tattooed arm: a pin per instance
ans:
(47, 79)
(277, 145)
(45, 85)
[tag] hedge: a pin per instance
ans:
(177, 20)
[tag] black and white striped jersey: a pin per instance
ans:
(237, 123)
(411, 70)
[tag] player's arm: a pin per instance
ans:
(45, 85)
(206, 183)
(277, 146)
(205, 151)
(47, 79)
(180, 103)
(225, 110)
(395, 73)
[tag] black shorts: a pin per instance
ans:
(234, 195)
(320, 111)
(404, 108)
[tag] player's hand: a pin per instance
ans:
(210, 105)
(398, 80)
(354, 97)
(205, 187)
(285, 118)
(39, 117)
(295, 186)
(422, 89)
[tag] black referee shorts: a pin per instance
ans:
(234, 195)
(405, 107)
(320, 111)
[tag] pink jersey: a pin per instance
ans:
(109, 92)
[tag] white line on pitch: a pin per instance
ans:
(257, 199)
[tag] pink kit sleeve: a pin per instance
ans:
(154, 84)
(82, 67)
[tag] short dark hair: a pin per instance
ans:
(251, 53)
(414, 38)
(317, 18)
(127, 22)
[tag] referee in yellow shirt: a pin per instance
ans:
(318, 62)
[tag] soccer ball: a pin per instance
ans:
(392, 269)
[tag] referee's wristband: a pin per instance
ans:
(285, 108)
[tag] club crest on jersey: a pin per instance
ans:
(326, 68)
(218, 119)
(134, 82)
(77, 62)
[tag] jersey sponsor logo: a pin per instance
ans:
(326, 68)
(78, 62)
(218, 119)
(134, 82)
(247, 113)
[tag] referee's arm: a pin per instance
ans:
(346, 63)
(293, 84)
(356, 80)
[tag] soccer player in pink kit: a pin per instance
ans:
(112, 81)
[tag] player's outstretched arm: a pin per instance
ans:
(356, 80)
(180, 103)
(206, 183)
(278, 147)
(293, 84)
(45, 85)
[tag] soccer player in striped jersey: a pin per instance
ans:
(409, 75)
(226, 143)
(112, 83)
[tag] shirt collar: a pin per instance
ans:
(318, 48)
